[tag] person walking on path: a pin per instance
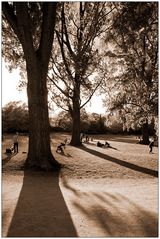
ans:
(15, 142)
(151, 146)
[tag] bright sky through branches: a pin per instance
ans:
(10, 92)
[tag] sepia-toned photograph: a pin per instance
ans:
(79, 105)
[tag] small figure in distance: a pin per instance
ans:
(60, 148)
(87, 138)
(151, 146)
(65, 141)
(81, 137)
(107, 144)
(100, 144)
(15, 142)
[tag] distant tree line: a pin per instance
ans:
(15, 118)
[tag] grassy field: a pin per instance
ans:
(99, 192)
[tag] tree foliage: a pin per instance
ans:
(15, 117)
(134, 35)
(90, 122)
(77, 63)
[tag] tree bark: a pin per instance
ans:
(39, 152)
(75, 141)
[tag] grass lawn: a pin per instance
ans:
(99, 192)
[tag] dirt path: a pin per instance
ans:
(98, 193)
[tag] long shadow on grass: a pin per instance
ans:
(118, 216)
(132, 166)
(113, 214)
(41, 210)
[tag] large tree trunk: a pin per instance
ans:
(39, 153)
(75, 141)
(145, 134)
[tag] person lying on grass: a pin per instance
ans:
(99, 144)
(106, 145)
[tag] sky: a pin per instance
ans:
(10, 82)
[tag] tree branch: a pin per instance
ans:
(59, 88)
(67, 42)
(8, 12)
(63, 56)
(47, 32)
(92, 93)
(59, 105)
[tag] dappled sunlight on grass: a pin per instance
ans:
(110, 213)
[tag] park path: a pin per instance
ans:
(92, 196)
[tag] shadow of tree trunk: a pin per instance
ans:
(132, 166)
(41, 210)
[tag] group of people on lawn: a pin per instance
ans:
(85, 139)
(61, 148)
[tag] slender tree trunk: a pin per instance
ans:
(145, 134)
(75, 141)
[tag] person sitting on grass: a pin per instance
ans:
(107, 144)
(100, 144)
(60, 148)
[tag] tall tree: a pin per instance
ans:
(78, 66)
(32, 27)
(135, 37)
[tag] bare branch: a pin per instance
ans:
(94, 90)
(67, 42)
(59, 88)
(63, 56)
